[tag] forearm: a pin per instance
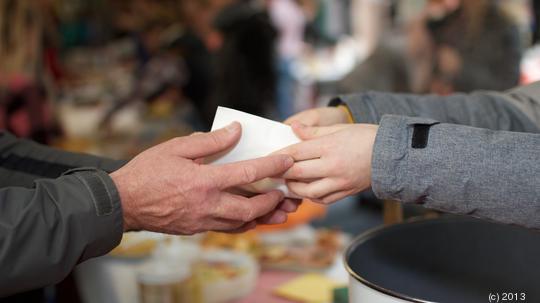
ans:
(463, 170)
(23, 161)
(480, 109)
(47, 230)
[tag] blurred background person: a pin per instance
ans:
(245, 76)
(447, 46)
(463, 42)
(290, 21)
(29, 67)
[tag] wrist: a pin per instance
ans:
(345, 114)
(126, 201)
(373, 130)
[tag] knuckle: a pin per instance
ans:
(248, 215)
(338, 163)
(239, 226)
(347, 183)
(249, 174)
(279, 162)
(274, 197)
(318, 201)
(196, 187)
(299, 192)
(176, 141)
(297, 172)
(313, 193)
(212, 182)
(336, 168)
(326, 201)
(189, 232)
(291, 151)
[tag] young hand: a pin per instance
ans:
(332, 163)
(322, 116)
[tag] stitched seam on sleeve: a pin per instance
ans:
(99, 193)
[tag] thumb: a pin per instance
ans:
(310, 132)
(205, 144)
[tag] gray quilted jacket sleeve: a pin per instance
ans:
(515, 110)
(459, 169)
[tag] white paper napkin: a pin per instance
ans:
(260, 137)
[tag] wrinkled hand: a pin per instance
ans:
(167, 188)
(322, 116)
(332, 163)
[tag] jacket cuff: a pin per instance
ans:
(359, 106)
(106, 221)
(391, 171)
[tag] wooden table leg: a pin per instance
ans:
(392, 212)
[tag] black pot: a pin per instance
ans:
(445, 260)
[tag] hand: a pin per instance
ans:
(167, 188)
(322, 116)
(332, 163)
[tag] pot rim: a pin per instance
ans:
(373, 232)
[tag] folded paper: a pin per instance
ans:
(260, 137)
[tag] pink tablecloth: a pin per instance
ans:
(268, 281)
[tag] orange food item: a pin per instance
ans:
(307, 212)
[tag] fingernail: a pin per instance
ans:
(233, 127)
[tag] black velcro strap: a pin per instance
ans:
(336, 102)
(420, 135)
(98, 190)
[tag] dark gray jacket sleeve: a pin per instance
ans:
(23, 161)
(515, 110)
(60, 221)
(459, 169)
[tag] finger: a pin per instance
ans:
(242, 229)
(206, 144)
(222, 224)
(249, 171)
(302, 151)
(244, 209)
(333, 197)
(274, 217)
(308, 117)
(307, 169)
(315, 189)
(289, 205)
(310, 132)
(240, 192)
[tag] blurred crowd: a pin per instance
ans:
(72, 69)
